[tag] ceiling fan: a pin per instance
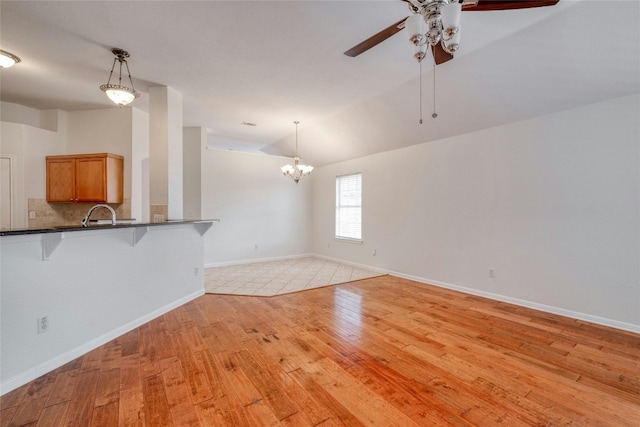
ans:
(430, 15)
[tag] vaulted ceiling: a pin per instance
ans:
(273, 62)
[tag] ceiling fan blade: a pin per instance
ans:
(440, 56)
(507, 4)
(376, 39)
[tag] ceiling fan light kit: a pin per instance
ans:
(296, 171)
(8, 59)
(120, 95)
(433, 22)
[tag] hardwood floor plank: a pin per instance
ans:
(178, 393)
(193, 372)
(28, 412)
(63, 388)
(13, 398)
(262, 379)
(131, 409)
(381, 351)
(235, 382)
(129, 343)
(6, 415)
(307, 411)
(108, 387)
(82, 401)
(149, 360)
(53, 416)
(156, 406)
(105, 415)
(363, 403)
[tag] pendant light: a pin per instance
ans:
(8, 59)
(121, 95)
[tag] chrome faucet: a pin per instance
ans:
(85, 220)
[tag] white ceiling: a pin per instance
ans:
(273, 62)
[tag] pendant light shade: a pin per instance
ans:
(8, 59)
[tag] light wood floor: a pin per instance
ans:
(382, 351)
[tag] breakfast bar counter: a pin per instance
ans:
(90, 285)
(79, 227)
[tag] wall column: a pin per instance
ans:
(194, 140)
(165, 153)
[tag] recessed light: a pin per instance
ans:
(249, 124)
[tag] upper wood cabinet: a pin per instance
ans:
(91, 178)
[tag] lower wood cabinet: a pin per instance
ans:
(91, 178)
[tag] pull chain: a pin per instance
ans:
(420, 92)
(434, 115)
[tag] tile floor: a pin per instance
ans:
(280, 277)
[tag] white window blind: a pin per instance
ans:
(349, 206)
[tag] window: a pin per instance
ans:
(349, 206)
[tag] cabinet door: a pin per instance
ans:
(91, 179)
(60, 180)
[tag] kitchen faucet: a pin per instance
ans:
(85, 220)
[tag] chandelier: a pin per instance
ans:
(119, 94)
(296, 171)
(433, 22)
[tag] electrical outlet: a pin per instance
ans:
(374, 252)
(32, 214)
(255, 246)
(196, 271)
(492, 273)
(158, 218)
(43, 324)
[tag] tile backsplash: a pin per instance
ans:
(57, 214)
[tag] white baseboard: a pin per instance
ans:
(33, 373)
(353, 264)
(255, 260)
(524, 303)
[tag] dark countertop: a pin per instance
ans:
(66, 228)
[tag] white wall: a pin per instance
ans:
(551, 204)
(263, 214)
(194, 139)
(27, 146)
(29, 135)
(16, 113)
(95, 286)
(108, 130)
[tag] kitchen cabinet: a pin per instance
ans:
(91, 178)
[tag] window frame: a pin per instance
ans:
(338, 206)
